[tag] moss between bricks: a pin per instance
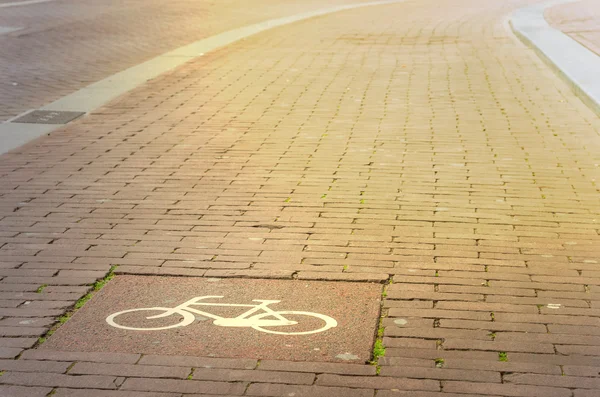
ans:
(97, 286)
(191, 375)
(378, 347)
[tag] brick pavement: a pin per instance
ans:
(65, 45)
(419, 144)
(580, 20)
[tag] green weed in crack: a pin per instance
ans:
(97, 286)
(378, 347)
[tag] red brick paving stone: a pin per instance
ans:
(343, 277)
(585, 393)
(400, 393)
(343, 369)
(355, 307)
(547, 380)
(34, 366)
(496, 326)
(22, 331)
(503, 366)
(49, 304)
(18, 342)
(504, 389)
(466, 344)
(556, 339)
(437, 373)
(406, 362)
(199, 362)
(277, 390)
(480, 336)
(20, 391)
(436, 313)
(208, 395)
(582, 350)
(25, 312)
(110, 393)
(114, 358)
(446, 354)
(558, 359)
(377, 382)
(48, 379)
(408, 342)
(139, 270)
(580, 370)
(276, 274)
(142, 371)
(257, 376)
(184, 386)
(9, 352)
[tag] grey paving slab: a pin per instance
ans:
(48, 117)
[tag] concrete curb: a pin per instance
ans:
(87, 99)
(574, 63)
(23, 3)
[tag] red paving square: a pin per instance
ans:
(313, 320)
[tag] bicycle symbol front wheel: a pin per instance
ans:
(329, 323)
(188, 318)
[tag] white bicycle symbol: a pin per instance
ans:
(247, 319)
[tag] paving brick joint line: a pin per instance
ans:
(420, 143)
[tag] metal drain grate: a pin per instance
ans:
(48, 117)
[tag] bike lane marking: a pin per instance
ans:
(252, 318)
(237, 318)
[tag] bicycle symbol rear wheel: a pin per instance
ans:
(329, 323)
(188, 318)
